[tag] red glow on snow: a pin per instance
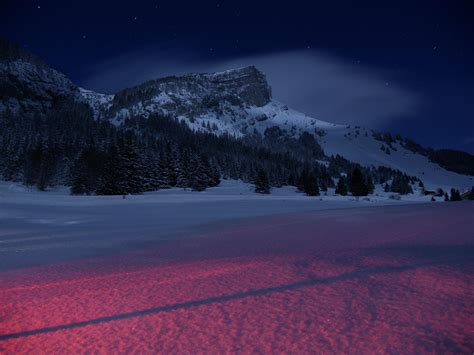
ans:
(260, 289)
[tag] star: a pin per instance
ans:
(135, 18)
(435, 47)
(39, 6)
(84, 36)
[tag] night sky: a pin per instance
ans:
(407, 67)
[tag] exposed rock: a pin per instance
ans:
(261, 117)
(195, 93)
(27, 85)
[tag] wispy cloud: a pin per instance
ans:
(469, 140)
(314, 82)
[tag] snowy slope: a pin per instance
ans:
(366, 151)
(359, 145)
(96, 101)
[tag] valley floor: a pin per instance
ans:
(231, 271)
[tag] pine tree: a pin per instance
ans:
(323, 187)
(311, 187)
(85, 172)
(357, 185)
(301, 181)
(32, 164)
(199, 174)
(131, 166)
(341, 188)
(173, 161)
(215, 176)
(370, 184)
(79, 180)
(164, 168)
(151, 172)
(470, 195)
(455, 195)
(262, 186)
(308, 183)
(446, 197)
(113, 180)
(182, 171)
(401, 185)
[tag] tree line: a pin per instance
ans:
(68, 146)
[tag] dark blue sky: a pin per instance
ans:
(423, 51)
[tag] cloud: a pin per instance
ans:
(317, 83)
(469, 140)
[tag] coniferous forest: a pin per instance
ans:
(68, 146)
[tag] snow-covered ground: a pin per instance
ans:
(74, 226)
(227, 191)
(174, 272)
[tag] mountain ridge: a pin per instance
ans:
(236, 102)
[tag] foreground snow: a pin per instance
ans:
(385, 279)
(74, 226)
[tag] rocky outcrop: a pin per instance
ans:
(248, 83)
(194, 94)
(28, 85)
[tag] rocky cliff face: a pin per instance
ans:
(249, 84)
(27, 85)
(191, 95)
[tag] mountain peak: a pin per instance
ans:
(246, 70)
(10, 51)
(248, 82)
(28, 85)
(241, 87)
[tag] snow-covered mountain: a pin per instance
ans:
(237, 102)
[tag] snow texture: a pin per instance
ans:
(221, 272)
